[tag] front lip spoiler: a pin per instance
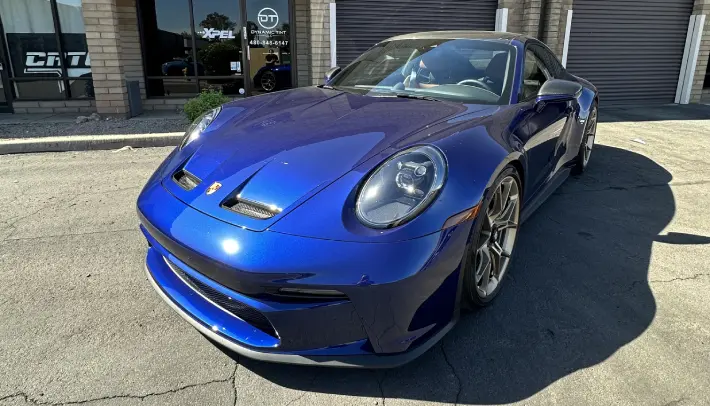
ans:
(343, 361)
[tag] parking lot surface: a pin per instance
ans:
(607, 301)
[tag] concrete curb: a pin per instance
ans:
(87, 142)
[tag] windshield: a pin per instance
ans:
(463, 70)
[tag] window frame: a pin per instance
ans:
(64, 78)
(539, 49)
(544, 68)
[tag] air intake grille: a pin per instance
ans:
(244, 312)
(250, 209)
(186, 180)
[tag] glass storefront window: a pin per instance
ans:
(71, 23)
(208, 41)
(173, 87)
(30, 38)
(218, 37)
(39, 89)
(269, 36)
(37, 52)
(204, 49)
(167, 38)
(229, 87)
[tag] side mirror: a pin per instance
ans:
(558, 90)
(330, 74)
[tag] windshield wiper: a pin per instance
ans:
(416, 96)
(326, 87)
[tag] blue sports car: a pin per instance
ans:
(349, 224)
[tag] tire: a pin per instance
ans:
(587, 144)
(484, 232)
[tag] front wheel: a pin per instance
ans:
(588, 138)
(494, 235)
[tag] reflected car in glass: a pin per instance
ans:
(350, 224)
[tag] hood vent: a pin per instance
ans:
(250, 209)
(186, 180)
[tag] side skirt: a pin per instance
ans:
(545, 193)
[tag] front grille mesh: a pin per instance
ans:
(244, 312)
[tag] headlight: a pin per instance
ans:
(401, 187)
(199, 126)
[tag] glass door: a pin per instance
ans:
(269, 45)
(193, 45)
(219, 46)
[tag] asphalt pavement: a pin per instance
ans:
(607, 301)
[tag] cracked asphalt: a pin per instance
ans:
(606, 301)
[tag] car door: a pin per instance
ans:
(543, 124)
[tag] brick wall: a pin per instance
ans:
(524, 18)
(515, 14)
(55, 106)
(101, 19)
(303, 44)
(696, 94)
(556, 18)
(131, 57)
(320, 39)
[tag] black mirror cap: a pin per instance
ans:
(559, 89)
(330, 74)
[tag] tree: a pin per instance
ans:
(217, 21)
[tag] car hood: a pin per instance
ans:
(280, 149)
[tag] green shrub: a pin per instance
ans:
(206, 101)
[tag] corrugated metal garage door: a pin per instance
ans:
(361, 24)
(630, 49)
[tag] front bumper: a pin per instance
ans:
(401, 298)
(347, 361)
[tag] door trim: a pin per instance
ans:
(5, 107)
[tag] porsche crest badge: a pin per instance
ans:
(213, 188)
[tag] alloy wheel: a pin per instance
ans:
(590, 134)
(497, 238)
(268, 81)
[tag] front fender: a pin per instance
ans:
(474, 157)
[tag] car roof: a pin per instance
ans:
(479, 35)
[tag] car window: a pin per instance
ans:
(462, 70)
(549, 60)
(534, 75)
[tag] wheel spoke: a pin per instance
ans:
(483, 266)
(505, 188)
(498, 252)
(496, 205)
(484, 281)
(506, 219)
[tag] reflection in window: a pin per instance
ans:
(230, 87)
(176, 87)
(30, 38)
(33, 47)
(39, 90)
(71, 23)
(169, 38)
(269, 33)
(217, 31)
(166, 30)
